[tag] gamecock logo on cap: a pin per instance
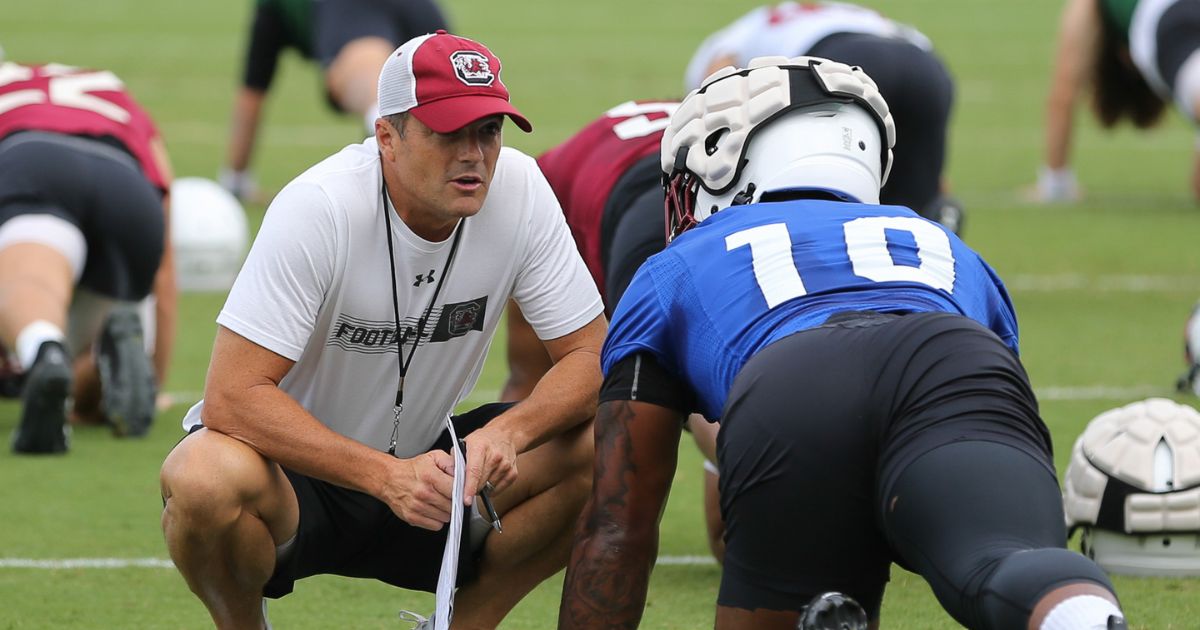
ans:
(472, 68)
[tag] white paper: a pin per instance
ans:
(444, 609)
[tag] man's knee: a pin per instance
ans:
(1021, 579)
(210, 478)
(571, 460)
(583, 448)
(578, 455)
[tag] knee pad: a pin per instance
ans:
(1021, 579)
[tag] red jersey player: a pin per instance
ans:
(607, 179)
(84, 181)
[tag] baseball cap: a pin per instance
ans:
(446, 81)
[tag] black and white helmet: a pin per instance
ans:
(778, 124)
(1133, 487)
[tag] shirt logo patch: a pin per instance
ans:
(460, 318)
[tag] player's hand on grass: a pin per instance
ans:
(1054, 185)
(491, 457)
(240, 184)
(419, 489)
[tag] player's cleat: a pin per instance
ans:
(1116, 623)
(127, 388)
(832, 611)
(43, 424)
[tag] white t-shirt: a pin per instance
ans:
(316, 289)
(791, 29)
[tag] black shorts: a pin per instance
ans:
(1177, 37)
(338, 22)
(920, 94)
(818, 427)
(98, 188)
(344, 532)
(633, 227)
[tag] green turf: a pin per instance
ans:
(1102, 288)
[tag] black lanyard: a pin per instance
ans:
(404, 365)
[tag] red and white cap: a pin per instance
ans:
(446, 81)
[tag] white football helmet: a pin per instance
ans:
(1190, 381)
(826, 128)
(209, 234)
(1133, 487)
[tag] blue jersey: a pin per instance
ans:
(750, 275)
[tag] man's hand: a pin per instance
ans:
(419, 489)
(491, 457)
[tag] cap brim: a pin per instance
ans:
(451, 114)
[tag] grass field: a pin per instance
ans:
(1102, 288)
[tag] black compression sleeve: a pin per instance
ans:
(267, 37)
(640, 377)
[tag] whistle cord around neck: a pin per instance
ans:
(400, 338)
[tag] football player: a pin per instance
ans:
(862, 362)
(608, 181)
(84, 183)
(349, 39)
(1135, 57)
(901, 60)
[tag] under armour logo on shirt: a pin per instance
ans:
(421, 278)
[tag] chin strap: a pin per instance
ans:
(744, 197)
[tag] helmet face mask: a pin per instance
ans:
(824, 120)
(680, 187)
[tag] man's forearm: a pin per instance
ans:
(606, 580)
(275, 425)
(617, 540)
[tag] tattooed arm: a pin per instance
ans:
(616, 541)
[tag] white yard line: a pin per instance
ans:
(86, 563)
(1052, 392)
(163, 563)
(1102, 392)
(685, 560)
(1110, 283)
